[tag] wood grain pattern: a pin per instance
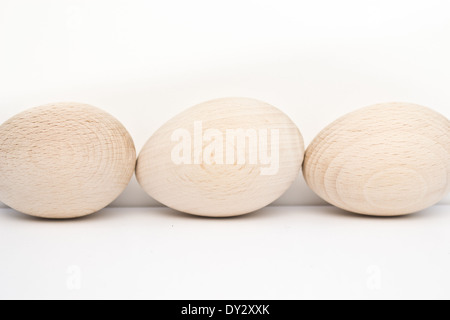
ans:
(220, 190)
(385, 160)
(64, 160)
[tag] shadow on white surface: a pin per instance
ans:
(266, 213)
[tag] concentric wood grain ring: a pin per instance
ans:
(64, 160)
(388, 159)
(228, 189)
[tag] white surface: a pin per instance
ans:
(277, 253)
(145, 61)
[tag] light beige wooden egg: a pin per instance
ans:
(221, 158)
(385, 160)
(64, 160)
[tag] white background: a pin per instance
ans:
(276, 253)
(146, 61)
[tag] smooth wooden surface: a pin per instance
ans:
(387, 159)
(220, 190)
(64, 160)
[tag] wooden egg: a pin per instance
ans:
(384, 160)
(64, 160)
(222, 158)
